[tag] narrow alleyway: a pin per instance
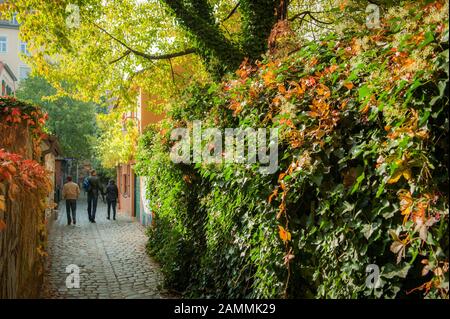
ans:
(110, 255)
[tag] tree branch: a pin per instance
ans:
(131, 78)
(310, 14)
(282, 11)
(127, 52)
(317, 25)
(231, 13)
(171, 71)
(319, 21)
(145, 55)
(298, 15)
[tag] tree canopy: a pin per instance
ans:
(162, 45)
(71, 120)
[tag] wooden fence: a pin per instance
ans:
(24, 237)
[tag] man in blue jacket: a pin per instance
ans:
(94, 189)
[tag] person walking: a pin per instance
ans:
(94, 189)
(71, 191)
(112, 193)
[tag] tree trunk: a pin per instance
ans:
(258, 18)
(216, 50)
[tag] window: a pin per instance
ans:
(3, 43)
(24, 71)
(23, 48)
(14, 19)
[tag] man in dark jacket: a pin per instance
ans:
(112, 193)
(94, 189)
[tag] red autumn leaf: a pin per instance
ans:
(15, 112)
(11, 168)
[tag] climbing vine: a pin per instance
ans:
(19, 175)
(363, 121)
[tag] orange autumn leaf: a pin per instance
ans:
(283, 184)
(288, 122)
(274, 194)
(323, 90)
(295, 142)
(2, 225)
(276, 101)
(319, 108)
(406, 203)
(297, 90)
(365, 109)
(281, 89)
(422, 134)
(427, 286)
(313, 61)
(269, 78)
(418, 38)
(282, 209)
(284, 234)
(405, 172)
(13, 190)
(332, 68)
(420, 212)
(348, 85)
(253, 92)
(187, 179)
(2, 203)
(406, 199)
(343, 104)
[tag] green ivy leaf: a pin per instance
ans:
(363, 92)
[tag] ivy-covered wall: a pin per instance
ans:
(362, 179)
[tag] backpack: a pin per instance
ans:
(86, 184)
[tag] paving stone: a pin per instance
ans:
(110, 255)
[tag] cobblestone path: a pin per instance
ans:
(110, 255)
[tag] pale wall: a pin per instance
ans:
(11, 57)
